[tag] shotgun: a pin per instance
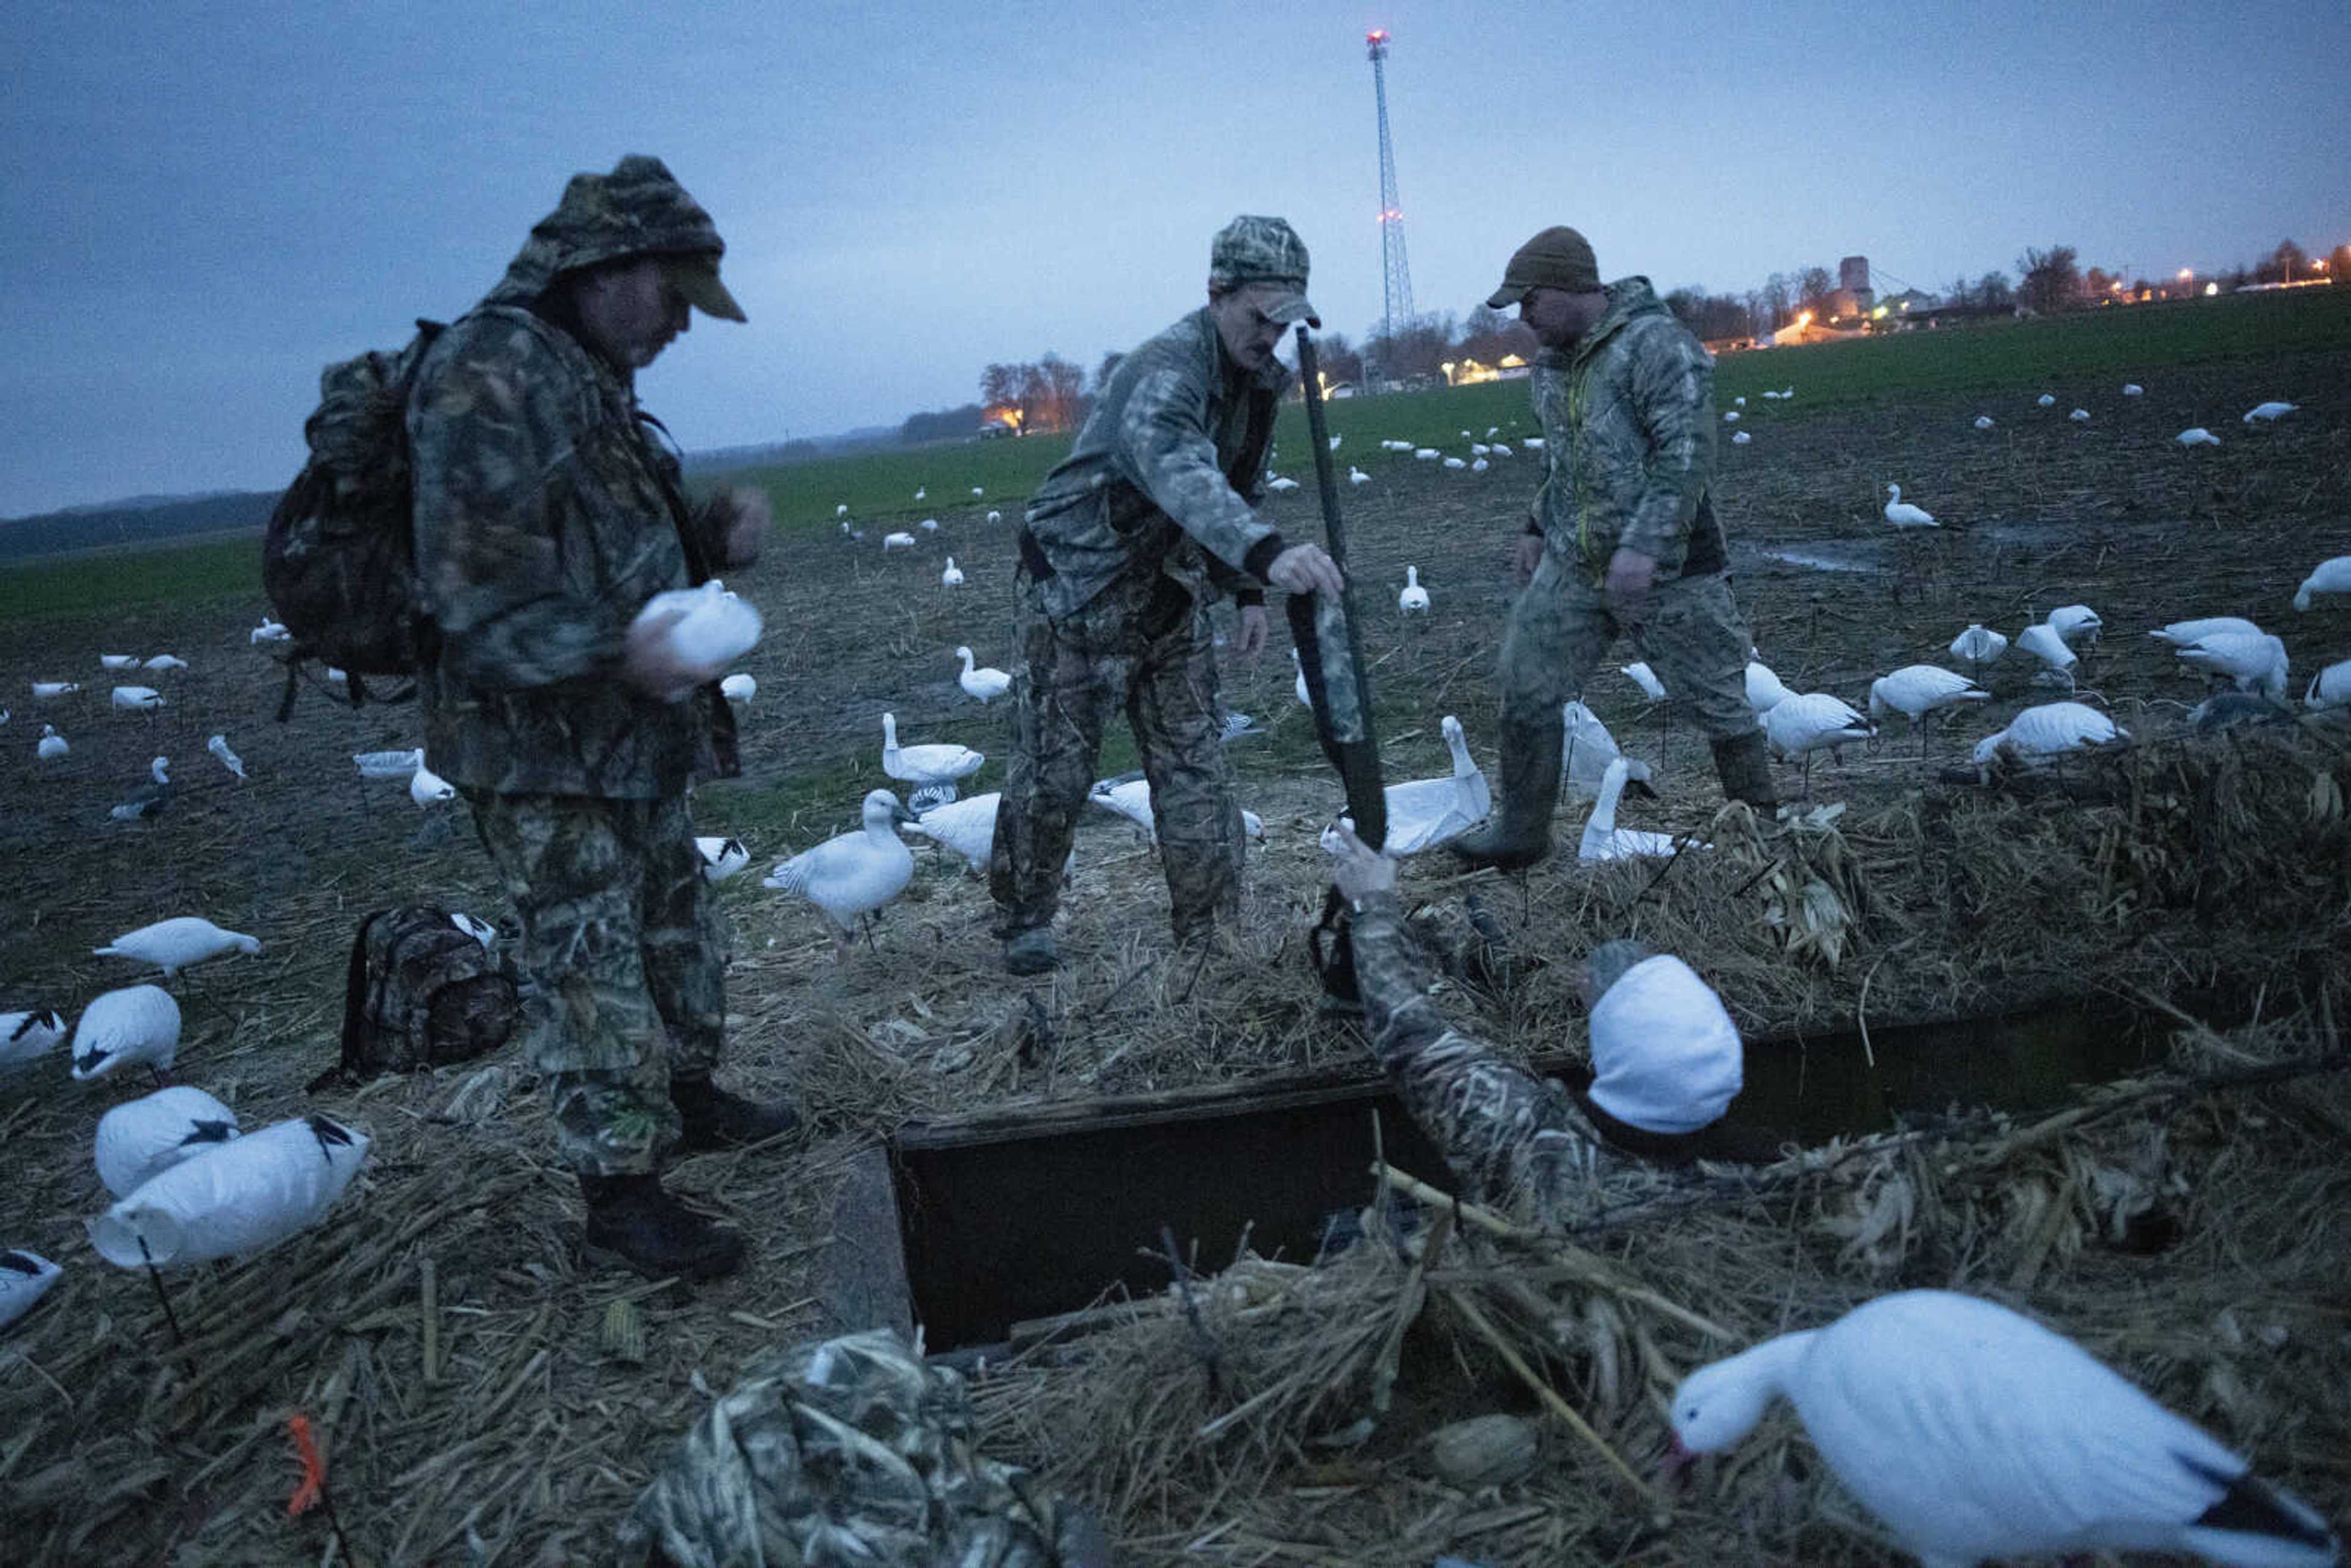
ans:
(1324, 628)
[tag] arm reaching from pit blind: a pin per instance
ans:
(1515, 1141)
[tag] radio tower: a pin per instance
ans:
(1397, 273)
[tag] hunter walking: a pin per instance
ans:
(1622, 537)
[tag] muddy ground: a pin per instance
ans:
(525, 1438)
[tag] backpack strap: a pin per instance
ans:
(355, 1000)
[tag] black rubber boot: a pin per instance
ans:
(1031, 952)
(1744, 765)
(1520, 833)
(632, 1221)
(711, 1118)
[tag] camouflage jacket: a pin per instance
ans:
(1515, 1141)
(1629, 438)
(1162, 477)
(545, 516)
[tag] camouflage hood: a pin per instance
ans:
(638, 208)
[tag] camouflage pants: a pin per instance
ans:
(1069, 674)
(624, 961)
(1561, 627)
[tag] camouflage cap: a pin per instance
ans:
(1558, 258)
(637, 209)
(1252, 250)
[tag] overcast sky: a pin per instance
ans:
(204, 203)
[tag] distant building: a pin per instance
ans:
(1854, 297)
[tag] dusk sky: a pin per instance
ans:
(206, 203)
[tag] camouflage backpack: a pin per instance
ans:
(420, 992)
(338, 559)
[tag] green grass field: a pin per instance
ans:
(2121, 342)
(879, 488)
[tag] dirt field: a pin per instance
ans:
(524, 1439)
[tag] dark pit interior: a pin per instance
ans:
(1012, 1218)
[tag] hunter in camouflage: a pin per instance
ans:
(1522, 1143)
(851, 1451)
(1122, 549)
(546, 515)
(1622, 538)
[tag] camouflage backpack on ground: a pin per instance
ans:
(338, 559)
(420, 992)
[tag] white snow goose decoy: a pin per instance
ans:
(177, 944)
(137, 700)
(1902, 514)
(1129, 796)
(712, 627)
(388, 764)
(1973, 1432)
(2043, 734)
(52, 744)
(1424, 813)
(25, 1036)
(2197, 435)
(218, 746)
(1918, 691)
(47, 691)
(149, 798)
(166, 661)
(739, 689)
(427, 787)
(1586, 749)
(1978, 646)
(852, 874)
(2328, 576)
(1605, 840)
(136, 1025)
(986, 683)
(1799, 726)
(2331, 687)
(1641, 675)
(117, 661)
(968, 827)
(1983, 422)
(721, 857)
(140, 1138)
(240, 1197)
(932, 768)
(2180, 634)
(2041, 641)
(2255, 660)
(1414, 600)
(2268, 412)
(1765, 690)
(25, 1278)
(2078, 625)
(898, 541)
(268, 632)
(952, 576)
(2046, 400)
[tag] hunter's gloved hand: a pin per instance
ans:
(1358, 870)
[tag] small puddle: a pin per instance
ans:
(1015, 1216)
(1856, 557)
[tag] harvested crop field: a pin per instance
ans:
(450, 1348)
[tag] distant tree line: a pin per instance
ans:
(1050, 394)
